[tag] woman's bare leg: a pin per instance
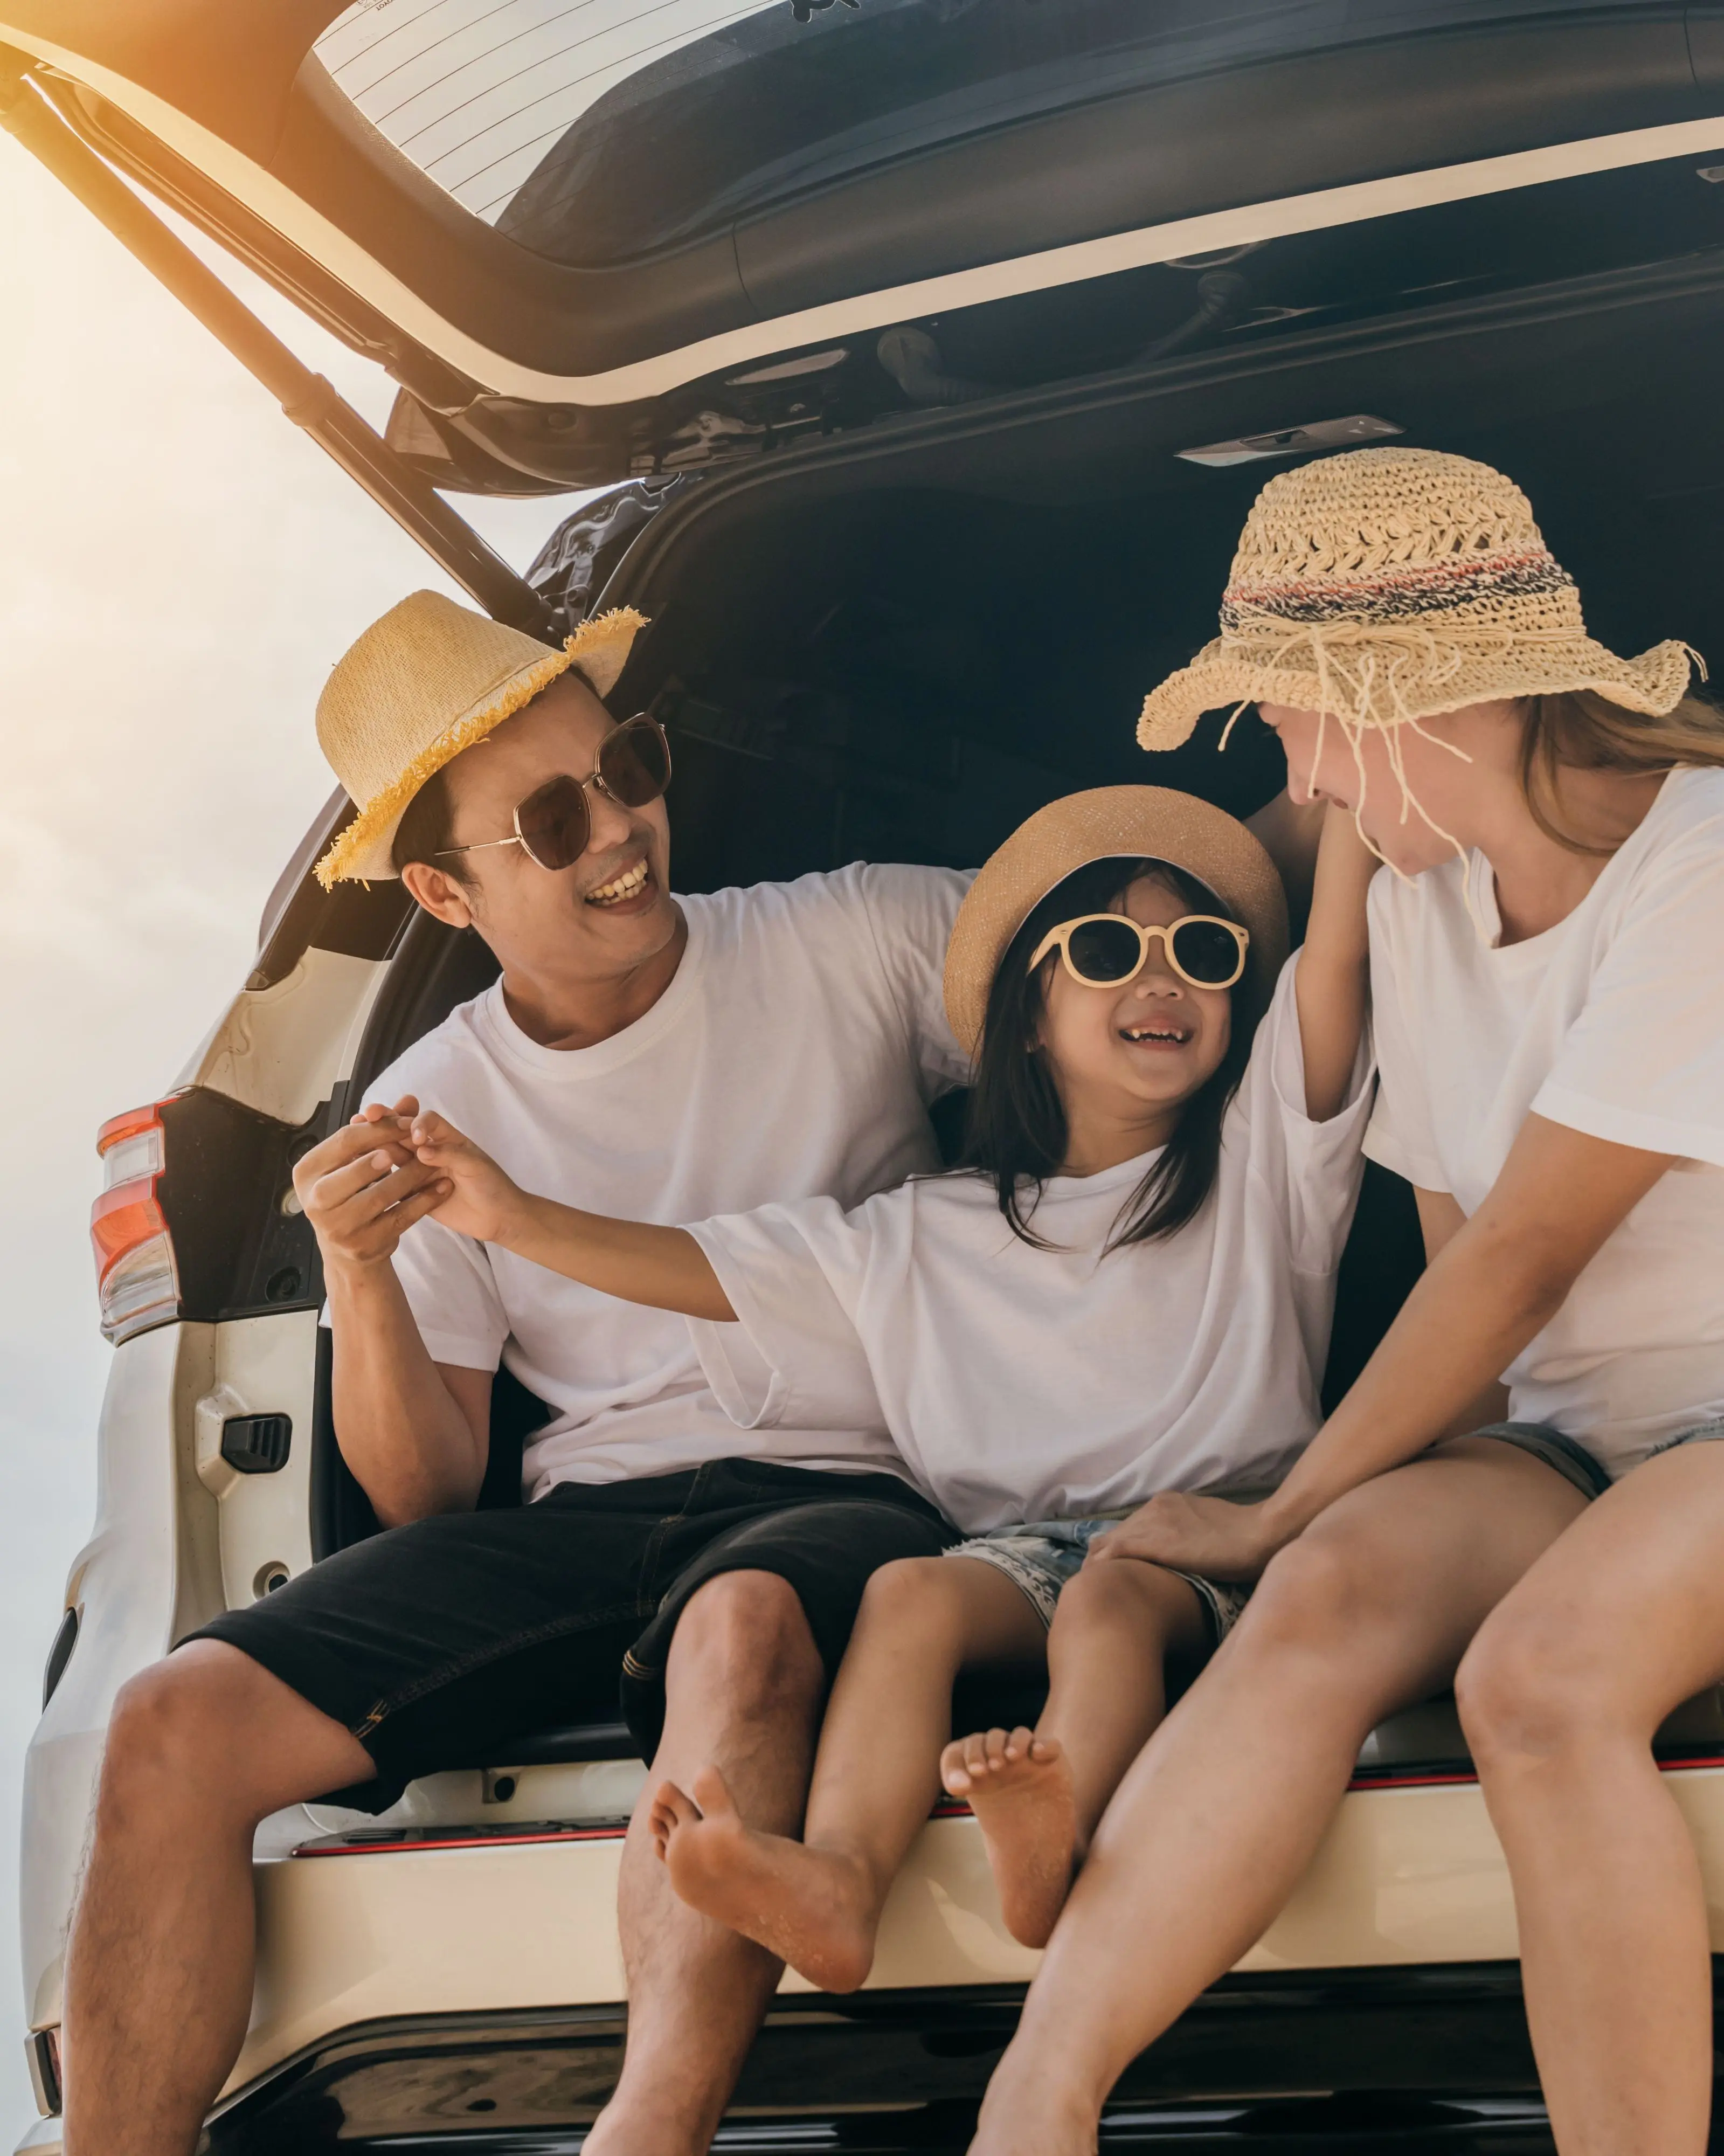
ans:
(1560, 1694)
(1038, 1794)
(817, 1903)
(1370, 1609)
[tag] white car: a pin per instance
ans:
(932, 349)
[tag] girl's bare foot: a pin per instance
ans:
(811, 1908)
(1019, 1787)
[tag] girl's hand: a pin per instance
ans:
(1208, 1535)
(480, 1201)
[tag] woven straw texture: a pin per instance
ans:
(1385, 585)
(1149, 821)
(425, 681)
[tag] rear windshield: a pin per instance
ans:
(593, 131)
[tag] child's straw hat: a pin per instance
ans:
(1149, 823)
(425, 682)
(1384, 586)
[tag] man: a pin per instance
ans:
(661, 1058)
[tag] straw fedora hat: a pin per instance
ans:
(422, 683)
(1152, 823)
(1384, 586)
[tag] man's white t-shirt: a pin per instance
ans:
(1029, 1385)
(1613, 1023)
(795, 1051)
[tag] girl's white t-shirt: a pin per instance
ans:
(1613, 1023)
(1025, 1384)
(796, 1049)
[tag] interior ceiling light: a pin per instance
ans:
(1293, 441)
(1715, 173)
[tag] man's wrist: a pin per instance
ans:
(344, 1274)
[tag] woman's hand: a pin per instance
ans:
(1211, 1536)
(480, 1200)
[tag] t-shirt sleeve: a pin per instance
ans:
(911, 911)
(1643, 1064)
(1317, 1165)
(793, 1274)
(1400, 1137)
(452, 1293)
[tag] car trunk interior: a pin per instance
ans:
(896, 644)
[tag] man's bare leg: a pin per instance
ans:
(1561, 1695)
(201, 1747)
(817, 1901)
(1038, 1794)
(743, 1688)
(1370, 1609)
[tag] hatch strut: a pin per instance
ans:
(309, 399)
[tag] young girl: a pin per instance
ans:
(1548, 971)
(1127, 1288)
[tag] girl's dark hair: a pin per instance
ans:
(1014, 1128)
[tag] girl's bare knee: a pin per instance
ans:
(911, 1591)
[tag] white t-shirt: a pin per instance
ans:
(1026, 1384)
(1613, 1023)
(794, 1051)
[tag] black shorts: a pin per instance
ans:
(437, 1643)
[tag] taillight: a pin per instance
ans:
(136, 1279)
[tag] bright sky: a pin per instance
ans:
(179, 567)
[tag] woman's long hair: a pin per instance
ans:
(1015, 1130)
(1583, 730)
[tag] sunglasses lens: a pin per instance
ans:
(1105, 951)
(1207, 952)
(636, 763)
(553, 824)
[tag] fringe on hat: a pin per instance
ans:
(385, 808)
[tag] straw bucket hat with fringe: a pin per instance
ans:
(1384, 586)
(1152, 823)
(425, 681)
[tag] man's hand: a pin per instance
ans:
(479, 1200)
(363, 1188)
(1211, 1536)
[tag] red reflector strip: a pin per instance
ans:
(1432, 1777)
(395, 1841)
(398, 1841)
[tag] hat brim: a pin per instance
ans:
(1151, 823)
(1233, 671)
(599, 648)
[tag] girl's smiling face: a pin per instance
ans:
(1131, 1053)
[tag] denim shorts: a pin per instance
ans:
(1042, 1555)
(1573, 1462)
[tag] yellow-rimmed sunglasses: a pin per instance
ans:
(1101, 950)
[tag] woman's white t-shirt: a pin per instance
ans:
(1613, 1023)
(1024, 1385)
(795, 1050)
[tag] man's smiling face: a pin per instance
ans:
(608, 914)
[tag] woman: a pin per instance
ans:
(1548, 980)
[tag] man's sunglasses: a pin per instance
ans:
(1101, 950)
(553, 825)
